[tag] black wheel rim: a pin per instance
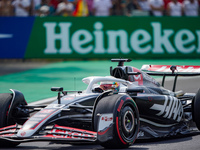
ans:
(128, 121)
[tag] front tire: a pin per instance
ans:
(5, 102)
(196, 109)
(125, 120)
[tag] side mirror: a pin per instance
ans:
(57, 89)
(60, 89)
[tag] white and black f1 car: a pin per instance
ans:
(113, 111)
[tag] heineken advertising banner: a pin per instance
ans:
(109, 37)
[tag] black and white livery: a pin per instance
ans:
(113, 110)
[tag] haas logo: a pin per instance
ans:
(172, 108)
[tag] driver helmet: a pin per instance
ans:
(110, 86)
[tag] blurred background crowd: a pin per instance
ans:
(99, 8)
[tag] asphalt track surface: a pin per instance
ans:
(186, 142)
(13, 66)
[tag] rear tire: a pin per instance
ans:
(5, 101)
(196, 109)
(125, 119)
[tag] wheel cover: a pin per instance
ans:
(128, 121)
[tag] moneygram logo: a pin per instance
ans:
(140, 41)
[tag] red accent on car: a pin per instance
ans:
(7, 111)
(23, 133)
(43, 111)
(118, 132)
(11, 126)
(120, 106)
(107, 118)
(138, 78)
(70, 133)
(75, 129)
(44, 119)
(166, 68)
(5, 132)
(102, 133)
(150, 99)
(7, 135)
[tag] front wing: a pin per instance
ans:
(49, 133)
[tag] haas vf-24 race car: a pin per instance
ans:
(113, 111)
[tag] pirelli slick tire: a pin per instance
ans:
(196, 109)
(125, 120)
(5, 102)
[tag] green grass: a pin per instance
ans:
(35, 84)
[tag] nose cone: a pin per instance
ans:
(25, 133)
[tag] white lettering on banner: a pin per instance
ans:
(52, 37)
(112, 41)
(118, 41)
(160, 40)
(180, 42)
(99, 38)
(77, 42)
(198, 37)
(136, 42)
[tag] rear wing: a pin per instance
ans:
(167, 70)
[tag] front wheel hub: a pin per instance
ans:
(128, 121)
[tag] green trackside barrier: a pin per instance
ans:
(108, 37)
